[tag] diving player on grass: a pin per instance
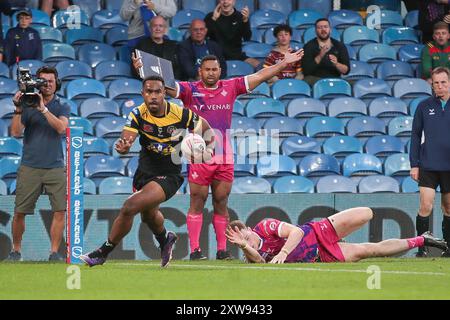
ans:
(157, 177)
(274, 241)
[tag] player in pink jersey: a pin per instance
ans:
(279, 242)
(213, 99)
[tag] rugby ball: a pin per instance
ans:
(192, 147)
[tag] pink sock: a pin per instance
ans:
(220, 225)
(194, 225)
(415, 242)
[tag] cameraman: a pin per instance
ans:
(42, 163)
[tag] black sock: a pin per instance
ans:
(446, 229)
(106, 248)
(422, 224)
(161, 237)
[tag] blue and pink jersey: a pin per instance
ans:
(319, 242)
(215, 105)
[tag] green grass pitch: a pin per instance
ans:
(400, 278)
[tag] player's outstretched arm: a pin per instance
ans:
(265, 74)
(294, 235)
(236, 237)
(127, 138)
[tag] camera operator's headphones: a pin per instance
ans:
(50, 69)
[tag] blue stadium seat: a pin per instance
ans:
(204, 6)
(387, 107)
(82, 122)
(73, 69)
(251, 185)
(378, 183)
(116, 185)
(107, 19)
(83, 35)
(173, 34)
(359, 70)
(412, 19)
(94, 53)
(388, 18)
(242, 167)
(128, 105)
(331, 88)
(8, 88)
(342, 19)
(112, 70)
(324, 7)
(275, 166)
(303, 18)
(365, 127)
(183, 18)
(124, 54)
(109, 127)
(113, 4)
(263, 90)
(3, 128)
(40, 18)
(412, 105)
(238, 108)
(257, 36)
(264, 108)
(4, 70)
(283, 127)
(361, 164)
(399, 36)
(64, 19)
(371, 88)
(324, 127)
(254, 147)
(383, 146)
(134, 150)
(55, 52)
(298, 147)
(293, 184)
(10, 146)
(409, 185)
(351, 52)
(95, 108)
(89, 6)
(376, 53)
(240, 4)
(12, 186)
(237, 68)
(73, 106)
(290, 88)
(243, 127)
(336, 184)
(310, 34)
(3, 188)
(397, 165)
(89, 186)
(100, 166)
(9, 166)
(284, 7)
(268, 36)
(95, 146)
(410, 53)
(411, 88)
(341, 146)
(306, 108)
(263, 19)
(257, 50)
(85, 88)
(400, 126)
(132, 166)
(360, 35)
(394, 70)
(346, 107)
(122, 89)
(49, 34)
(7, 108)
(318, 165)
(118, 36)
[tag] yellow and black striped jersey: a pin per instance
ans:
(159, 136)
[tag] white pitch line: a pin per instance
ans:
(277, 268)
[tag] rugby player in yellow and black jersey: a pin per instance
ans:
(157, 177)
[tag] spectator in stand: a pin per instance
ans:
(139, 14)
(437, 52)
(283, 33)
(430, 12)
(5, 8)
(157, 45)
(48, 5)
(22, 42)
(193, 49)
(228, 27)
(324, 56)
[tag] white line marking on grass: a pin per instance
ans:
(203, 266)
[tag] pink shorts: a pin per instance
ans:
(329, 250)
(204, 174)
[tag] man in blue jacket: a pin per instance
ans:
(5, 8)
(193, 49)
(22, 42)
(430, 159)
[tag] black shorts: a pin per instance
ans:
(169, 183)
(433, 179)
